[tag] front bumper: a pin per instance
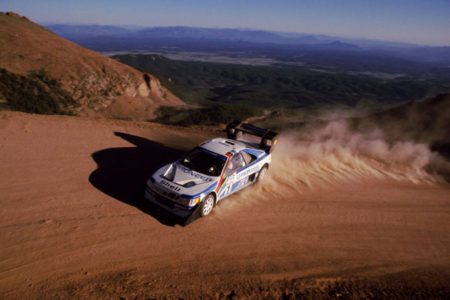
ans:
(167, 204)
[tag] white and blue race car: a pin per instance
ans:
(212, 171)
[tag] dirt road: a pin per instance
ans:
(74, 224)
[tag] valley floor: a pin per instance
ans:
(73, 224)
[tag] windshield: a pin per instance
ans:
(204, 161)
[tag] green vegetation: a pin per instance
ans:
(279, 86)
(209, 115)
(35, 93)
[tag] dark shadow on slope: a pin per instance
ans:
(443, 149)
(122, 173)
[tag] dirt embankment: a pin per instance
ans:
(101, 86)
(341, 215)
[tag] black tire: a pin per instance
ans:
(207, 205)
(262, 173)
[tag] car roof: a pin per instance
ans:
(223, 146)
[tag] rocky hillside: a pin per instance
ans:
(97, 84)
(426, 121)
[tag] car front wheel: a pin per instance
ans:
(207, 205)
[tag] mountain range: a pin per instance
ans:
(89, 34)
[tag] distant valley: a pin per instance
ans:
(333, 54)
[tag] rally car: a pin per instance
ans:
(212, 171)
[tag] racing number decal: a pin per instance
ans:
(243, 182)
(227, 190)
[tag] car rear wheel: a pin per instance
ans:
(262, 173)
(207, 205)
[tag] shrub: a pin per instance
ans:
(35, 93)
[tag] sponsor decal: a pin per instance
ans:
(247, 172)
(196, 175)
(170, 186)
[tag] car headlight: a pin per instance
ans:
(188, 201)
(194, 201)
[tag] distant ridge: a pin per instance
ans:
(109, 38)
(98, 85)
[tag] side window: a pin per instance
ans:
(247, 157)
(240, 160)
(235, 163)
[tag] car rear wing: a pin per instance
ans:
(268, 137)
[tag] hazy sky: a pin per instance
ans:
(415, 21)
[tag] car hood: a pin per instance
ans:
(188, 181)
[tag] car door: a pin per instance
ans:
(231, 182)
(244, 176)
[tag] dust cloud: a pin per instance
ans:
(335, 153)
(324, 156)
